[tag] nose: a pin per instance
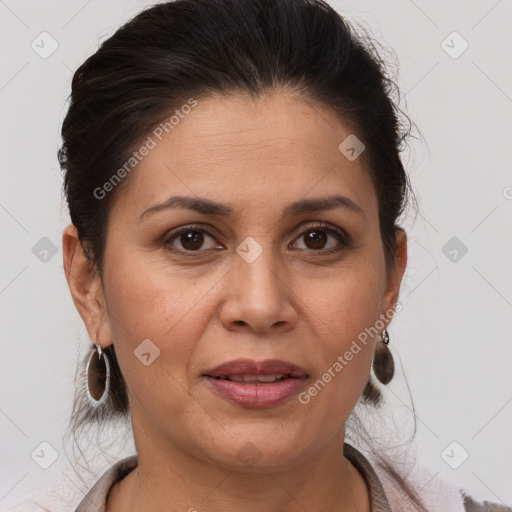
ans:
(258, 296)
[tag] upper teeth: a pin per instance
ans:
(253, 378)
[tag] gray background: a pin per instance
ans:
(453, 334)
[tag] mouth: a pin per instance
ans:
(255, 380)
(252, 383)
(249, 370)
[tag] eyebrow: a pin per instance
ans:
(209, 207)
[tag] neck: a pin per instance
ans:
(176, 480)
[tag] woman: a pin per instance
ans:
(234, 184)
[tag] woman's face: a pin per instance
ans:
(264, 281)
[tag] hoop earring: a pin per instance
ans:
(97, 374)
(383, 365)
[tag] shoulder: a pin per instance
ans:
(410, 479)
(96, 499)
(473, 506)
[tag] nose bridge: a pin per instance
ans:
(257, 267)
(257, 297)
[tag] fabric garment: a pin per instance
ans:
(385, 493)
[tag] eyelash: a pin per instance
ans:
(338, 233)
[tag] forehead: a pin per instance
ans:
(249, 152)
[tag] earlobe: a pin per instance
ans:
(86, 287)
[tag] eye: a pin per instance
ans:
(191, 239)
(315, 238)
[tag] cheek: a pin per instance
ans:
(349, 304)
(146, 297)
(342, 316)
(143, 304)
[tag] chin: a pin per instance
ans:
(258, 453)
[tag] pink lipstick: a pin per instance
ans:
(252, 383)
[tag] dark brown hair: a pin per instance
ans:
(173, 51)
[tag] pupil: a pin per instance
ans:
(193, 238)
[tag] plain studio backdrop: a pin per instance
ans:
(451, 340)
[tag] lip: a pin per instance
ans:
(252, 367)
(257, 395)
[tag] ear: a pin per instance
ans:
(394, 278)
(86, 288)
